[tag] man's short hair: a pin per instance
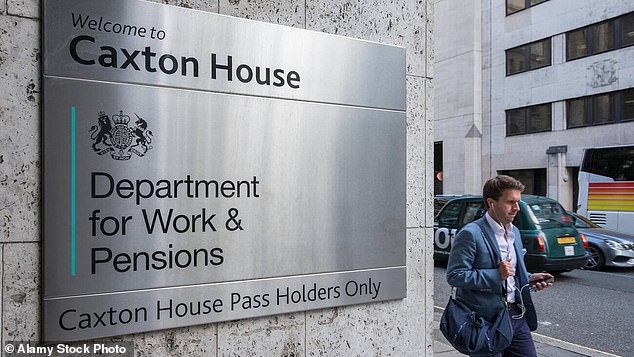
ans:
(494, 187)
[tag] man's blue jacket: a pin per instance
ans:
(473, 270)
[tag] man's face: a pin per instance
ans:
(506, 207)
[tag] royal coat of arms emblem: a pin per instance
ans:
(115, 136)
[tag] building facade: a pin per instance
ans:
(399, 328)
(524, 86)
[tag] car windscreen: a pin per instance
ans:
(583, 222)
(550, 214)
(439, 203)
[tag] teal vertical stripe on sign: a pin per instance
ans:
(72, 193)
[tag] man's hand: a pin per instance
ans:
(506, 269)
(540, 285)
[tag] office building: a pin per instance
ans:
(524, 86)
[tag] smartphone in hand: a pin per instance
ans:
(548, 280)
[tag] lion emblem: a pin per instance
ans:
(101, 133)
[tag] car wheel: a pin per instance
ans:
(596, 261)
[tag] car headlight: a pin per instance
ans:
(614, 245)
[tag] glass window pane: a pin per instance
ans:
(602, 109)
(577, 113)
(540, 118)
(602, 37)
(473, 211)
(576, 44)
(450, 214)
(535, 2)
(516, 122)
(615, 163)
(514, 6)
(627, 24)
(628, 104)
(515, 60)
(540, 54)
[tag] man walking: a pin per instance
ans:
(486, 285)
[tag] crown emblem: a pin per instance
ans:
(121, 118)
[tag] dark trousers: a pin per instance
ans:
(522, 344)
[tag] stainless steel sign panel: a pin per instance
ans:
(142, 42)
(121, 313)
(166, 187)
(316, 186)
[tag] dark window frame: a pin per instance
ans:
(527, 119)
(616, 110)
(527, 5)
(584, 111)
(527, 56)
(617, 37)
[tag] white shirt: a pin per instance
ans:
(507, 250)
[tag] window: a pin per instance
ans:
(439, 203)
(583, 222)
(605, 108)
(450, 214)
(602, 106)
(534, 180)
(550, 214)
(627, 30)
(515, 60)
(628, 105)
(528, 120)
(515, 122)
(473, 211)
(540, 54)
(577, 44)
(527, 57)
(614, 162)
(600, 37)
(603, 37)
(577, 113)
(513, 6)
(539, 118)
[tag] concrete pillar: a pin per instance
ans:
(559, 176)
(473, 162)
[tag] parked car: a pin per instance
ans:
(605, 247)
(551, 241)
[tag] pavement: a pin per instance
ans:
(545, 346)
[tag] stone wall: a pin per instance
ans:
(396, 328)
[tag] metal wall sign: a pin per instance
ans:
(201, 168)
